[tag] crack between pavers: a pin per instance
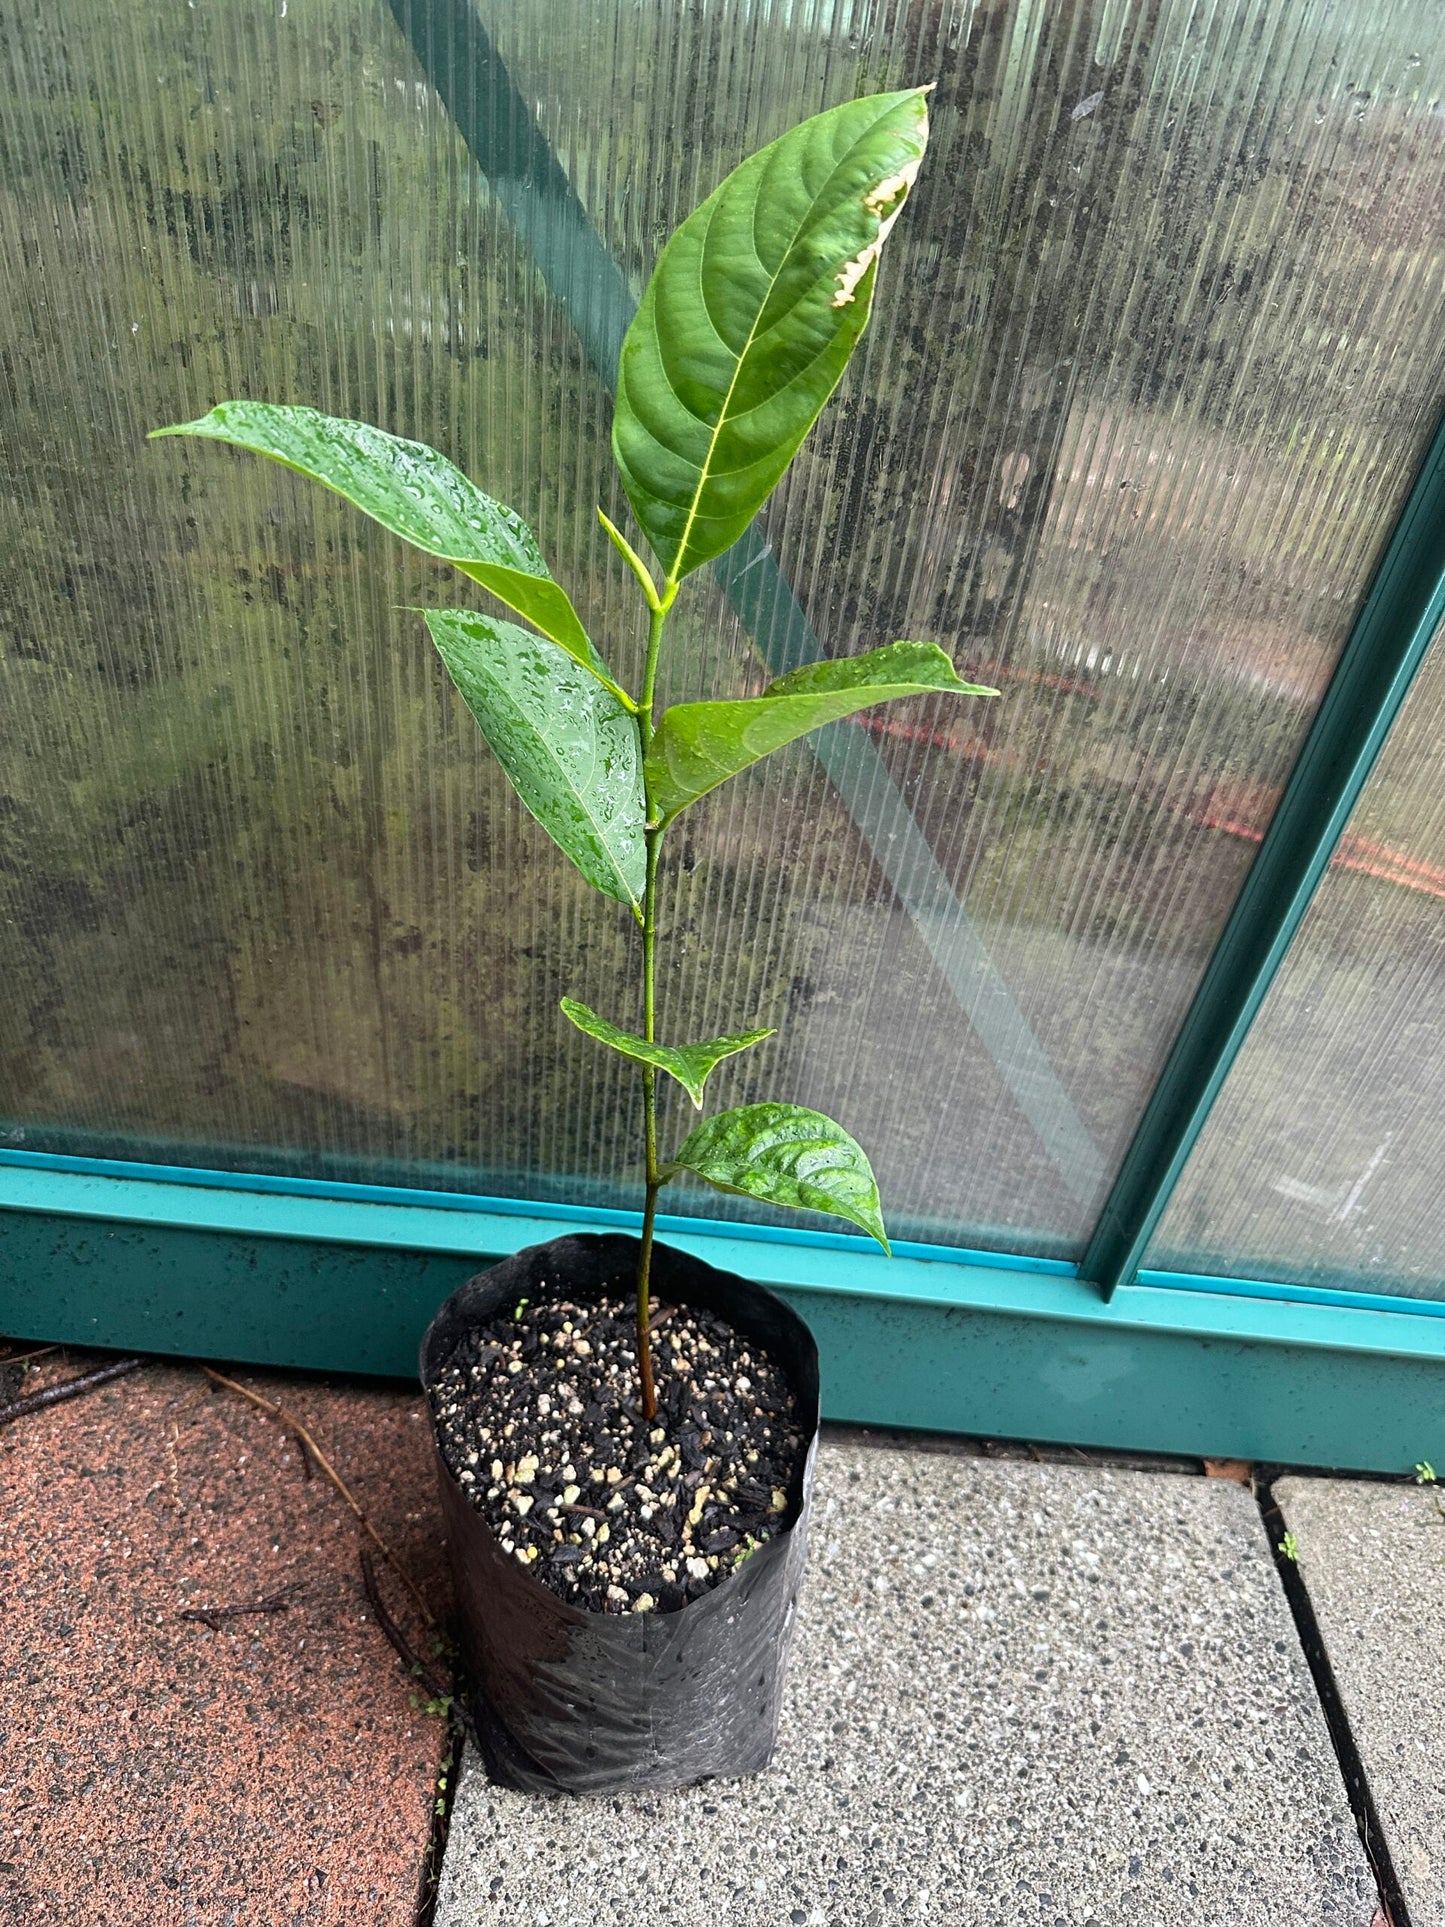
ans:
(1393, 1907)
(443, 1802)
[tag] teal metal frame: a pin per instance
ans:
(343, 1277)
(339, 1278)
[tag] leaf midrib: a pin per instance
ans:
(602, 838)
(673, 578)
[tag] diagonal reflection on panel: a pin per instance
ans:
(583, 277)
(783, 636)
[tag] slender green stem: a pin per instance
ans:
(657, 617)
(649, 1104)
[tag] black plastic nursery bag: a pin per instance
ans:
(583, 1701)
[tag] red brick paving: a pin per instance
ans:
(155, 1773)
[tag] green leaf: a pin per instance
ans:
(417, 494)
(784, 1154)
(699, 745)
(574, 754)
(690, 1064)
(753, 309)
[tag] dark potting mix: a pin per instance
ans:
(539, 1417)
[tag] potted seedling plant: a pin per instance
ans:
(625, 1434)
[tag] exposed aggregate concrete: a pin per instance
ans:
(1020, 1693)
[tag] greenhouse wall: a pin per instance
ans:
(1141, 432)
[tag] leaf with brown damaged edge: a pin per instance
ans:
(749, 319)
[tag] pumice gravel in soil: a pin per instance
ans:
(539, 1418)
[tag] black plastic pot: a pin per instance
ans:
(586, 1702)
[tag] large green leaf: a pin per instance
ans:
(752, 311)
(690, 1064)
(699, 745)
(784, 1154)
(574, 754)
(416, 494)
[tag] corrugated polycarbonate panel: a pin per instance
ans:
(1321, 1162)
(1156, 353)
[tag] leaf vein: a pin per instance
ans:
(673, 576)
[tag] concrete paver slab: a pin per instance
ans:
(1372, 1558)
(1020, 1693)
(273, 1772)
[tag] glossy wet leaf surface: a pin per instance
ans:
(690, 1064)
(699, 745)
(413, 492)
(573, 753)
(785, 1154)
(755, 305)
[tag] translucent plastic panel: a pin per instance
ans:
(1321, 1163)
(1155, 356)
